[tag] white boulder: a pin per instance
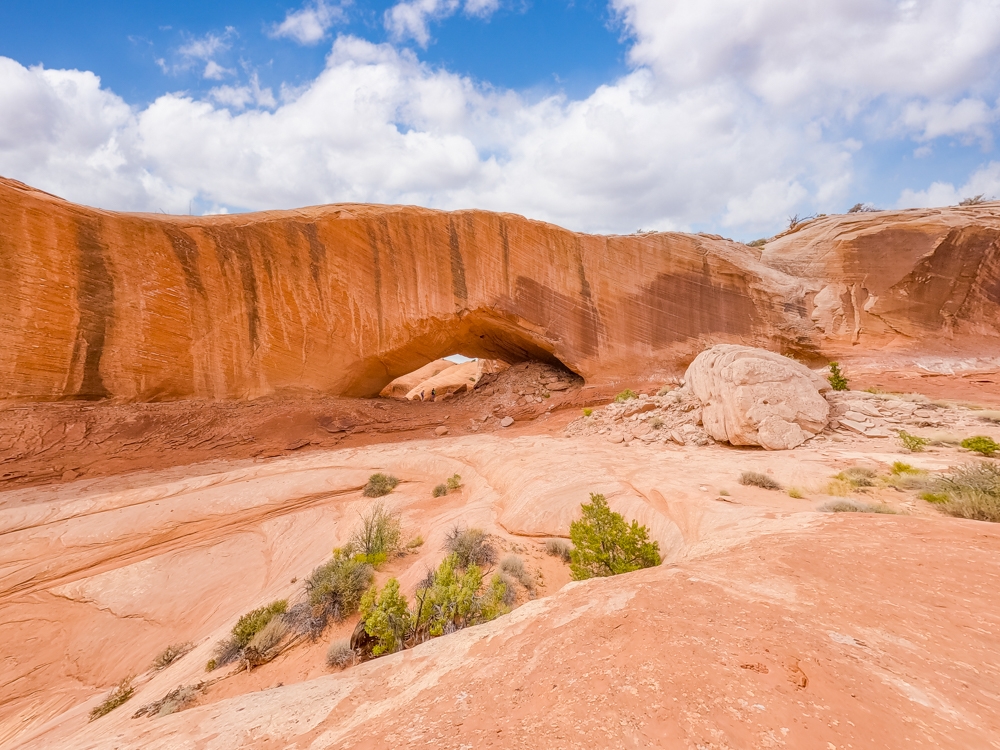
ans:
(752, 396)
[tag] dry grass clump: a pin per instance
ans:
(340, 655)
(170, 654)
(470, 547)
(795, 493)
(118, 695)
(627, 395)
(177, 699)
(380, 485)
(757, 479)
(513, 566)
(243, 633)
(559, 548)
(336, 587)
(855, 506)
(971, 491)
(858, 476)
(440, 490)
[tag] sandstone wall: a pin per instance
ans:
(344, 298)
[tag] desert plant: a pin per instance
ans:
(264, 645)
(795, 493)
(861, 208)
(170, 654)
(587, 411)
(757, 479)
(912, 443)
(974, 200)
(836, 378)
(972, 491)
(513, 566)
(379, 533)
(664, 390)
(934, 497)
(899, 468)
(853, 506)
(336, 587)
(379, 485)
(605, 545)
(470, 547)
(340, 654)
(177, 699)
(981, 444)
(386, 617)
(417, 541)
(450, 600)
(627, 395)
(454, 482)
(440, 490)
(255, 621)
(118, 695)
(559, 548)
(858, 476)
(656, 423)
(757, 243)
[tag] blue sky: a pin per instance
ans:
(725, 115)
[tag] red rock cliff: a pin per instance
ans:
(344, 298)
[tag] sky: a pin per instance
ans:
(723, 116)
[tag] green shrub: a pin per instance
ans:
(795, 493)
(380, 532)
(757, 479)
(335, 588)
(253, 622)
(340, 654)
(836, 378)
(587, 411)
(440, 490)
(170, 654)
(625, 395)
(451, 600)
(899, 468)
(757, 243)
(559, 548)
(853, 506)
(386, 617)
(380, 485)
(605, 545)
(934, 497)
(981, 444)
(118, 695)
(912, 443)
(454, 482)
(264, 645)
(470, 547)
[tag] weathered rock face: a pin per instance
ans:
(402, 385)
(756, 397)
(345, 298)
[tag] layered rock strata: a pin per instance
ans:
(345, 298)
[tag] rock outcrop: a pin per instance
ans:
(402, 385)
(755, 397)
(344, 298)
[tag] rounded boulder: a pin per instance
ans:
(752, 396)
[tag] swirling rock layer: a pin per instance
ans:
(345, 298)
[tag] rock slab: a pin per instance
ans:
(755, 397)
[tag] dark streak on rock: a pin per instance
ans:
(458, 287)
(95, 294)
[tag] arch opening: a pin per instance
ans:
(487, 341)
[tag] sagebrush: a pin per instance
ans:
(379, 533)
(379, 485)
(757, 479)
(118, 695)
(471, 546)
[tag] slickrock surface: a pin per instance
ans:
(402, 385)
(345, 298)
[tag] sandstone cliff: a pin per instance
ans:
(345, 298)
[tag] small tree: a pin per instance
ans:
(837, 380)
(379, 534)
(386, 617)
(605, 545)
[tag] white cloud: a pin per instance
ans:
(215, 72)
(734, 115)
(410, 19)
(206, 47)
(984, 181)
(201, 50)
(309, 24)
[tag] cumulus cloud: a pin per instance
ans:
(309, 24)
(411, 19)
(732, 116)
(984, 181)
